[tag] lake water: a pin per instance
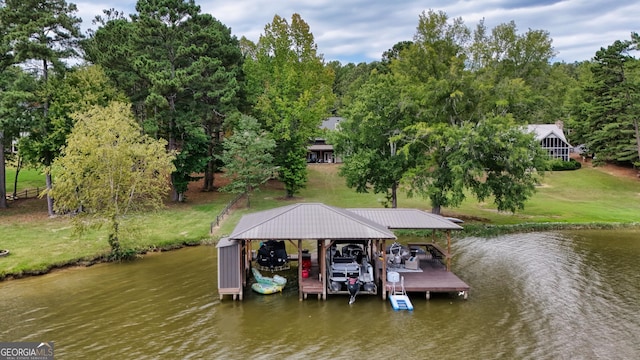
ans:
(556, 295)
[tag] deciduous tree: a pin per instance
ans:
(493, 158)
(293, 92)
(367, 139)
(457, 132)
(247, 157)
(109, 168)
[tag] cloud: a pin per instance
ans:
(361, 30)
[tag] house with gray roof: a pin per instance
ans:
(318, 150)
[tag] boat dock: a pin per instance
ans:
(427, 271)
(431, 275)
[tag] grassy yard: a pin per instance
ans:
(38, 243)
(583, 196)
(27, 179)
(587, 195)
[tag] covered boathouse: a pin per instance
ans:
(325, 226)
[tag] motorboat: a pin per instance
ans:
(350, 270)
(272, 256)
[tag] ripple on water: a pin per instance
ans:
(533, 296)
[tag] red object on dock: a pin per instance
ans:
(306, 260)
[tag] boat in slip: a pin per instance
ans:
(350, 270)
(267, 285)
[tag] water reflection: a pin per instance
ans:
(538, 296)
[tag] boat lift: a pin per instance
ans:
(398, 298)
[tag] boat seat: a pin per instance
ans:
(342, 259)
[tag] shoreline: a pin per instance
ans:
(479, 230)
(97, 259)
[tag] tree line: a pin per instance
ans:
(438, 116)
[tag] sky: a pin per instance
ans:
(361, 30)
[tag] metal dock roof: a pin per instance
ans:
(406, 219)
(308, 221)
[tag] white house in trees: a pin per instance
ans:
(552, 139)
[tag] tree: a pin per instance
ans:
(164, 64)
(247, 157)
(6, 60)
(463, 135)
(109, 168)
(394, 53)
(494, 157)
(612, 107)
(502, 56)
(76, 90)
(348, 79)
(182, 71)
(112, 47)
(365, 139)
(217, 83)
(293, 92)
(43, 34)
(17, 96)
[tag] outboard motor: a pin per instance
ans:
(353, 285)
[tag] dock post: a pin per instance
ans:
(300, 294)
(448, 250)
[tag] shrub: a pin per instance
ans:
(560, 165)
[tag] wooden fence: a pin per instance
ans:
(25, 194)
(224, 212)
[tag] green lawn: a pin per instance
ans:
(37, 243)
(27, 179)
(581, 196)
(587, 195)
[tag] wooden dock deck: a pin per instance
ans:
(434, 273)
(312, 285)
(433, 278)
